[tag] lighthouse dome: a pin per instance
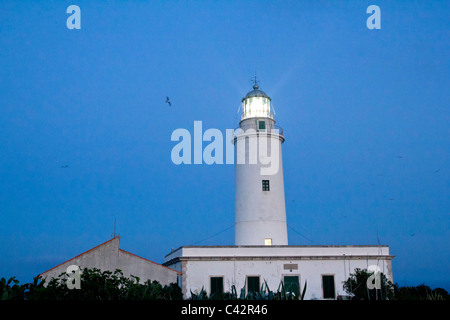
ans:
(256, 104)
(256, 93)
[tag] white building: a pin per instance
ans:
(261, 252)
(323, 267)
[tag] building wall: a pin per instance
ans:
(197, 273)
(109, 257)
(145, 269)
(271, 264)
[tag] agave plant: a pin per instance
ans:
(433, 295)
(283, 294)
(199, 296)
(264, 293)
(269, 295)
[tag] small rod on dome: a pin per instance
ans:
(255, 82)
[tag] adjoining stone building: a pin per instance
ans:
(109, 256)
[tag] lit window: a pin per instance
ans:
(265, 185)
(268, 242)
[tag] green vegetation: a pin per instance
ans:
(420, 292)
(95, 285)
(263, 294)
(107, 285)
(356, 286)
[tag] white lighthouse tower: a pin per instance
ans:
(260, 211)
(261, 253)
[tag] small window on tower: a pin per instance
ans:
(268, 242)
(262, 125)
(265, 185)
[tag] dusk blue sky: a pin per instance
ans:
(365, 113)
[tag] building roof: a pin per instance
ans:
(100, 245)
(149, 261)
(277, 252)
(256, 93)
(287, 246)
(79, 255)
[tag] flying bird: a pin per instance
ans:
(64, 166)
(168, 101)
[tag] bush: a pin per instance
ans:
(95, 285)
(356, 286)
(420, 292)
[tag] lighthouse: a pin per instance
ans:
(261, 253)
(260, 210)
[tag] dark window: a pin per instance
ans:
(328, 287)
(265, 185)
(262, 125)
(216, 285)
(253, 284)
(291, 284)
